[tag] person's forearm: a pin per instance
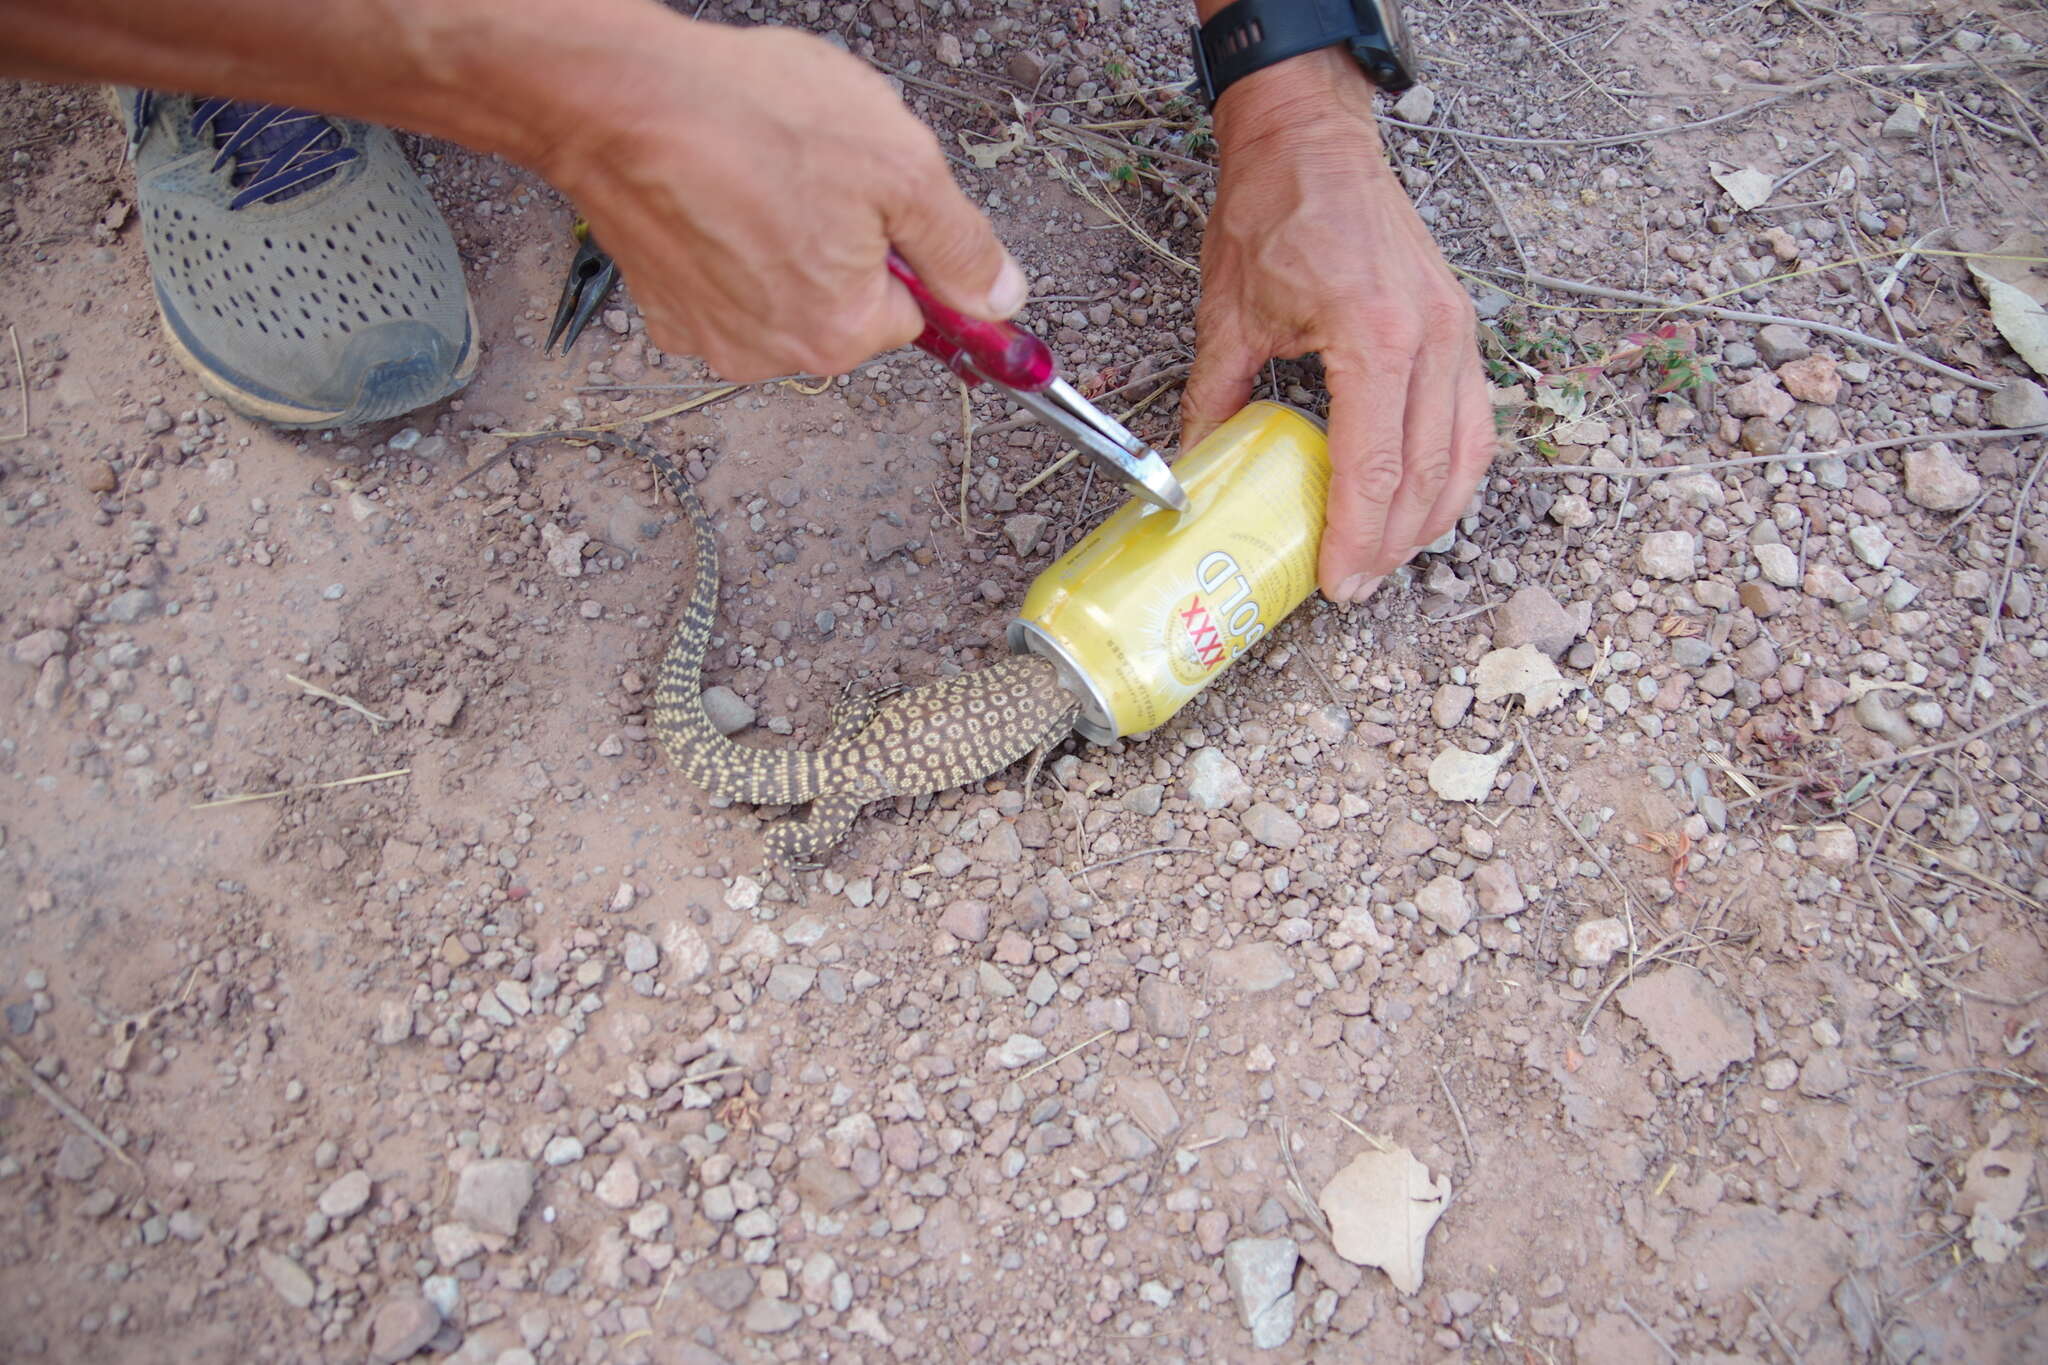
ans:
(463, 70)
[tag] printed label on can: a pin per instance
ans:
(1150, 606)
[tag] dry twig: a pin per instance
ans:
(350, 702)
(1786, 457)
(247, 797)
(71, 1112)
(21, 370)
(1651, 302)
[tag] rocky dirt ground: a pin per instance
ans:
(1715, 1015)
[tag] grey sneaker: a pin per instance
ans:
(301, 271)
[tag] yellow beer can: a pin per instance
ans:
(1143, 612)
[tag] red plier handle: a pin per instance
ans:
(973, 349)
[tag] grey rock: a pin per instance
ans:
(132, 605)
(1249, 967)
(727, 710)
(1260, 1273)
(1024, 531)
(1443, 903)
(1450, 704)
(1534, 617)
(1213, 780)
(1271, 826)
(790, 981)
(1777, 344)
(1778, 564)
(402, 1326)
(563, 1150)
(287, 1277)
(1144, 800)
(2021, 403)
(724, 1287)
(491, 1195)
(1937, 479)
(78, 1157)
(1870, 545)
(1690, 651)
(640, 954)
(1165, 1008)
(1667, 555)
(346, 1197)
(885, 539)
(1700, 1031)
(1904, 122)
(1416, 105)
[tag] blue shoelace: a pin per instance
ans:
(279, 152)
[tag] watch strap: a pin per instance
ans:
(1250, 35)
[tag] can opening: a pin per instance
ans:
(1095, 723)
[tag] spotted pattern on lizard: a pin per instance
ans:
(900, 741)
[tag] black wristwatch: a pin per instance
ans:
(1251, 35)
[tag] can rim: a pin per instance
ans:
(1298, 411)
(1096, 723)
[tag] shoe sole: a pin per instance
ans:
(385, 394)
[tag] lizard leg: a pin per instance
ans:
(798, 843)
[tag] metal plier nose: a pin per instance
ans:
(591, 276)
(1007, 356)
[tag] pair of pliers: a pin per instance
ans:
(591, 276)
(998, 353)
(1010, 358)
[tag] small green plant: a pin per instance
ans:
(1669, 354)
(1512, 349)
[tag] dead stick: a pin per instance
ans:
(70, 1111)
(2012, 547)
(1800, 457)
(1849, 334)
(21, 370)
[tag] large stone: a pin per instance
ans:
(1165, 1008)
(1778, 343)
(287, 1277)
(1937, 479)
(346, 1197)
(1271, 826)
(1213, 780)
(1700, 1031)
(404, 1323)
(1760, 397)
(729, 711)
(1443, 903)
(1594, 942)
(619, 1188)
(2021, 403)
(1778, 563)
(1667, 555)
(1250, 967)
(491, 1195)
(1533, 617)
(1498, 889)
(1260, 1273)
(1812, 380)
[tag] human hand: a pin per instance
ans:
(1314, 246)
(750, 182)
